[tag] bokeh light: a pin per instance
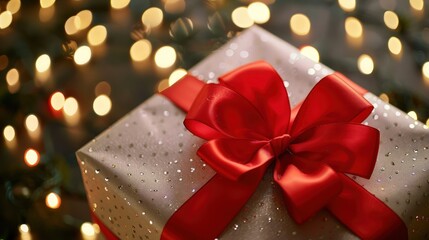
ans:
(72, 25)
(43, 63)
(9, 133)
(87, 230)
(163, 84)
(13, 6)
(12, 79)
(384, 97)
(140, 50)
(102, 105)
(82, 55)
(97, 35)
(119, 4)
(310, 52)
(4, 61)
(241, 18)
(300, 24)
(353, 27)
(347, 5)
(174, 6)
(57, 101)
(417, 4)
(46, 3)
(259, 12)
(413, 115)
(71, 106)
(5, 19)
(152, 17)
(85, 18)
(365, 64)
(391, 20)
(31, 123)
(165, 57)
(394, 45)
(176, 75)
(24, 228)
(103, 88)
(425, 71)
(53, 200)
(31, 157)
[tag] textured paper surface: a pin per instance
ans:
(144, 167)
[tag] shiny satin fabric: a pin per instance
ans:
(248, 123)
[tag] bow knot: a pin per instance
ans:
(280, 144)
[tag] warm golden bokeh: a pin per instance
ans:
(300, 24)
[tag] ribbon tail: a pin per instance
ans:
(365, 215)
(208, 212)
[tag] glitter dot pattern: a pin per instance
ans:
(144, 167)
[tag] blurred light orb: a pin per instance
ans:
(417, 4)
(152, 17)
(425, 70)
(259, 12)
(384, 97)
(353, 27)
(24, 228)
(72, 25)
(347, 5)
(31, 122)
(310, 52)
(119, 4)
(82, 55)
(162, 85)
(394, 45)
(140, 50)
(85, 18)
(9, 133)
(241, 18)
(53, 200)
(97, 35)
(391, 20)
(165, 57)
(174, 6)
(4, 61)
(102, 105)
(57, 101)
(176, 75)
(46, 3)
(13, 6)
(365, 64)
(12, 77)
(102, 88)
(300, 24)
(43, 63)
(413, 115)
(31, 157)
(87, 229)
(5, 19)
(71, 106)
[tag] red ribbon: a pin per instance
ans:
(248, 124)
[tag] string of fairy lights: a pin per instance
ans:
(165, 57)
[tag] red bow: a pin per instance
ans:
(247, 120)
(248, 123)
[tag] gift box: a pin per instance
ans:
(144, 168)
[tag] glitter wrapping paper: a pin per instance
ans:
(144, 167)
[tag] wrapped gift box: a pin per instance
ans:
(144, 167)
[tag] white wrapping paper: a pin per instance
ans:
(144, 167)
